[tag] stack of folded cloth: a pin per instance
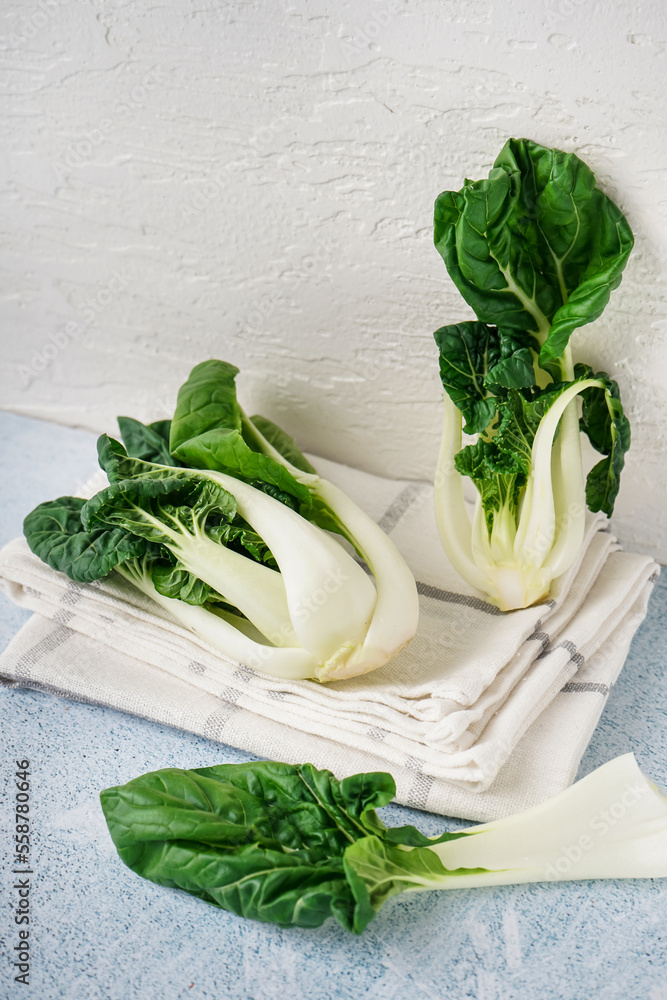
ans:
(483, 714)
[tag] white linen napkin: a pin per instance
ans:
(482, 714)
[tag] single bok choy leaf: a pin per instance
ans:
(292, 845)
(536, 250)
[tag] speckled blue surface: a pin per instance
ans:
(101, 933)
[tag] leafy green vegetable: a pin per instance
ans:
(393, 620)
(476, 361)
(292, 845)
(536, 247)
(608, 430)
(172, 580)
(536, 250)
(226, 451)
(174, 511)
(468, 351)
(231, 543)
(206, 402)
(238, 535)
(150, 443)
(263, 840)
(207, 431)
(55, 534)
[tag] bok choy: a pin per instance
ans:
(221, 520)
(292, 845)
(536, 250)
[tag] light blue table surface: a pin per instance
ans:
(99, 931)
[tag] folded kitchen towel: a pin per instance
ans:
(482, 714)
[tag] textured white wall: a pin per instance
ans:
(254, 181)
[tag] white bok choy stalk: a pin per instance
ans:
(536, 250)
(528, 525)
(610, 824)
(229, 633)
(396, 608)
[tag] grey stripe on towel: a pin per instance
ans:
(448, 596)
(577, 686)
(421, 785)
(50, 642)
(400, 505)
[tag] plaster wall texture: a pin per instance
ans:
(255, 181)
